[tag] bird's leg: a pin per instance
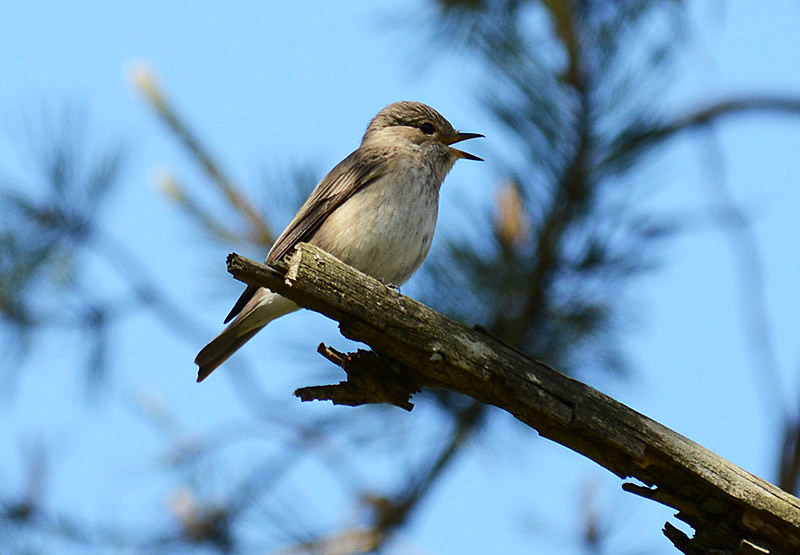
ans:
(392, 286)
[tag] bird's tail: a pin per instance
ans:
(220, 349)
(264, 307)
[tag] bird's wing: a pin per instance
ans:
(352, 174)
(348, 177)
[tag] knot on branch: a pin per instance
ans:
(371, 378)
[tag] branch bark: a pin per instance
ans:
(413, 346)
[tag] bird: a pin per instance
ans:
(376, 211)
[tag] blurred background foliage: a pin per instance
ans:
(570, 84)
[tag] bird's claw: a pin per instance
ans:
(392, 286)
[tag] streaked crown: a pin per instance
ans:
(410, 114)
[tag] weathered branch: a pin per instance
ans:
(731, 510)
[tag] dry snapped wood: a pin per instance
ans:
(413, 346)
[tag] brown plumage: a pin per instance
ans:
(376, 211)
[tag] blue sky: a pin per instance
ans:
(270, 87)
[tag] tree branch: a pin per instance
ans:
(789, 105)
(144, 80)
(730, 509)
(643, 135)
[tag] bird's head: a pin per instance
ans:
(421, 125)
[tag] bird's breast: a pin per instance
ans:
(385, 229)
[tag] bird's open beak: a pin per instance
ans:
(457, 138)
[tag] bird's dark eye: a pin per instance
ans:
(427, 128)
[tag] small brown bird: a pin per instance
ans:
(376, 211)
